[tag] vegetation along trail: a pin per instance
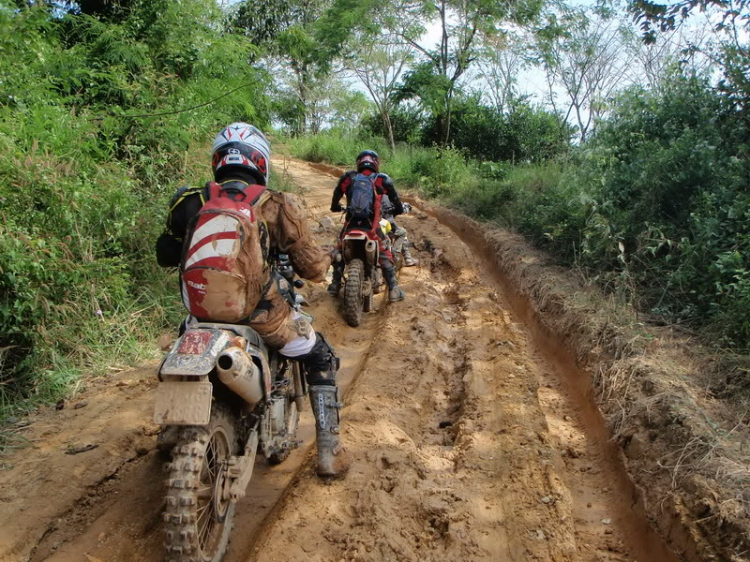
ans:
(472, 436)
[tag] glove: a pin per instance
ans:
(407, 208)
(337, 208)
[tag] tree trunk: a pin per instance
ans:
(388, 129)
(445, 121)
(447, 137)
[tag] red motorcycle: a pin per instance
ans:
(360, 251)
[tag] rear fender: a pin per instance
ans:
(358, 245)
(194, 353)
(185, 392)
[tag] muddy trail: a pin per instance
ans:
(473, 434)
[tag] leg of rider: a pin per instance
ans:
(338, 270)
(409, 260)
(395, 292)
(338, 273)
(283, 328)
(399, 235)
(321, 365)
(401, 244)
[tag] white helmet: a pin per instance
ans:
(240, 147)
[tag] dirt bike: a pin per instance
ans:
(222, 397)
(361, 253)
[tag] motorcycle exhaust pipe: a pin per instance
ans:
(240, 374)
(371, 250)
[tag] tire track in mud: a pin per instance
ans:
(602, 492)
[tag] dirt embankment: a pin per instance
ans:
(475, 435)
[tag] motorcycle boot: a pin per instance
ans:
(321, 365)
(409, 261)
(333, 460)
(396, 293)
(335, 286)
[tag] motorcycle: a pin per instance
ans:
(360, 251)
(223, 396)
(363, 278)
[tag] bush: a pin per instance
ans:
(664, 183)
(79, 180)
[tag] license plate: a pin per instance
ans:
(183, 403)
(195, 342)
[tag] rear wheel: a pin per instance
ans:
(198, 519)
(398, 260)
(353, 292)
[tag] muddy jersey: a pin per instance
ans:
(383, 186)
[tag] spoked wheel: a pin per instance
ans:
(198, 518)
(353, 292)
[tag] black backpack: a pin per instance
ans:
(361, 197)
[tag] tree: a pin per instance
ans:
(679, 49)
(289, 31)
(583, 56)
(462, 25)
(500, 61)
(379, 62)
(730, 20)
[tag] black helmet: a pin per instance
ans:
(368, 160)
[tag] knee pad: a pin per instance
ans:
(321, 363)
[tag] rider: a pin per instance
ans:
(368, 164)
(240, 160)
(400, 236)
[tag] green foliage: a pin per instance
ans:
(655, 207)
(407, 125)
(84, 186)
(662, 191)
(525, 133)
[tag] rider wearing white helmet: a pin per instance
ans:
(240, 162)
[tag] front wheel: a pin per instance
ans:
(198, 518)
(353, 292)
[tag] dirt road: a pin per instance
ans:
(473, 437)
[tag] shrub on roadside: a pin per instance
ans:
(84, 188)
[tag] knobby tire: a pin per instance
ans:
(353, 297)
(195, 530)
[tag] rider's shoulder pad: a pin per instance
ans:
(294, 206)
(386, 179)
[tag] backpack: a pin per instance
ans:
(225, 255)
(360, 197)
